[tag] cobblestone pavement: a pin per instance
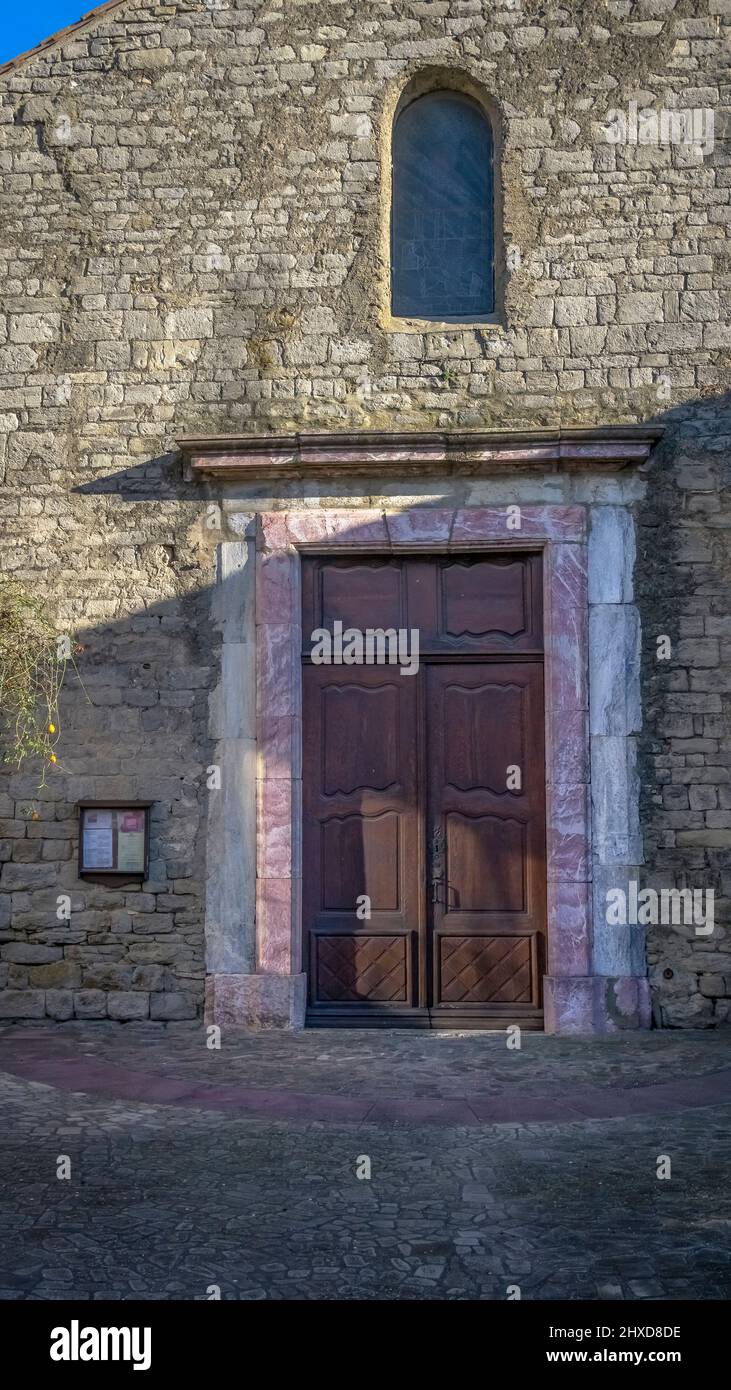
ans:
(166, 1199)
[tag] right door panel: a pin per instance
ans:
(486, 837)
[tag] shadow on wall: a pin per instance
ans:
(682, 590)
(139, 729)
(134, 726)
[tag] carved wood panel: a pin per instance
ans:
(486, 791)
(424, 866)
(360, 890)
(460, 604)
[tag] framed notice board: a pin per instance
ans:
(114, 839)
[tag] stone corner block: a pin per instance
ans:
(256, 1002)
(596, 1005)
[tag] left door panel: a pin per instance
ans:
(361, 842)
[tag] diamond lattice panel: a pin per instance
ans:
(486, 970)
(364, 968)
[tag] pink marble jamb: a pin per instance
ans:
(568, 580)
(571, 1001)
(566, 637)
(275, 586)
(225, 1002)
(569, 1005)
(276, 655)
(274, 926)
(255, 1001)
(296, 918)
(356, 526)
(483, 524)
(308, 527)
(596, 1005)
(272, 531)
(569, 762)
(567, 833)
(274, 829)
(569, 947)
(277, 746)
(420, 526)
(536, 523)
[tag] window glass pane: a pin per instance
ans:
(441, 233)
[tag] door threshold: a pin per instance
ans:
(434, 1020)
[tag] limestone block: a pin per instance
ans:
(640, 307)
(696, 1012)
(22, 1003)
(26, 953)
(62, 974)
(147, 977)
(233, 703)
(596, 1005)
(356, 126)
(59, 1004)
(575, 309)
(700, 306)
(34, 328)
(189, 324)
(172, 1005)
(146, 59)
(618, 947)
(614, 669)
(614, 801)
(108, 977)
(611, 555)
(231, 859)
(126, 1005)
(20, 876)
(256, 1001)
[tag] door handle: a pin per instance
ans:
(437, 861)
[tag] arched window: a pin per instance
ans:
(442, 210)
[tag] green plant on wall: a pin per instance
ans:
(33, 660)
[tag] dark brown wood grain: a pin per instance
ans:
(406, 798)
(487, 918)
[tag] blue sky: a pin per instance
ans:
(23, 25)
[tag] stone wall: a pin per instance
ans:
(192, 206)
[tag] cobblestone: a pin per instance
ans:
(193, 200)
(163, 1201)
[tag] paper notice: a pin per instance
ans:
(131, 851)
(98, 852)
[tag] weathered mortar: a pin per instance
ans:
(191, 202)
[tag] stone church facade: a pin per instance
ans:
(215, 428)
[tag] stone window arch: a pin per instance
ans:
(442, 208)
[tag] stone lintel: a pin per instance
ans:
(341, 454)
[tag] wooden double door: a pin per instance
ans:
(424, 874)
